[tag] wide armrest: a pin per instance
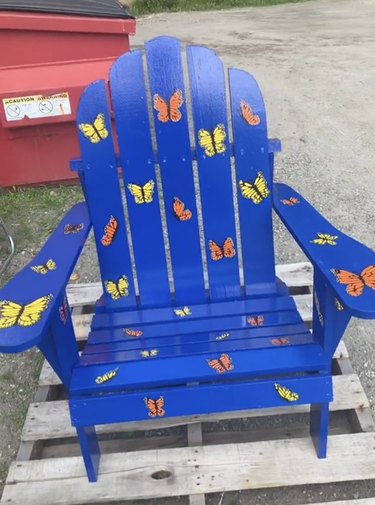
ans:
(342, 260)
(29, 300)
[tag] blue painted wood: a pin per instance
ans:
(162, 371)
(174, 154)
(137, 160)
(103, 196)
(181, 401)
(319, 424)
(90, 450)
(209, 112)
(212, 310)
(347, 254)
(252, 163)
(29, 285)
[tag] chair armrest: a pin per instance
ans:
(29, 300)
(346, 254)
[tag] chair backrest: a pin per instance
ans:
(191, 195)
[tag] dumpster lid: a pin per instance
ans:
(92, 8)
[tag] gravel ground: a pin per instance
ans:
(314, 63)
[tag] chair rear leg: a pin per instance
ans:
(88, 441)
(319, 420)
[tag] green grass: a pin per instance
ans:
(140, 7)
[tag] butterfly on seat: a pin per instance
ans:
(155, 407)
(355, 283)
(185, 311)
(221, 365)
(324, 238)
(226, 250)
(179, 210)
(286, 394)
(12, 313)
(110, 231)
(290, 201)
(256, 191)
(133, 333)
(107, 376)
(152, 353)
(255, 320)
(44, 269)
(213, 142)
(247, 114)
(280, 341)
(142, 194)
(168, 110)
(222, 336)
(117, 289)
(96, 131)
(73, 228)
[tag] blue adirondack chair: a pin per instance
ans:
(192, 318)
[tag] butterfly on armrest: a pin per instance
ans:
(12, 313)
(355, 284)
(45, 268)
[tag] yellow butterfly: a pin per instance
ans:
(185, 311)
(149, 354)
(286, 394)
(107, 376)
(12, 313)
(96, 131)
(117, 289)
(213, 142)
(142, 194)
(256, 191)
(338, 305)
(43, 269)
(324, 238)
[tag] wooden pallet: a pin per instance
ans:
(195, 455)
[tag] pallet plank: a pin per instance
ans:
(365, 501)
(192, 470)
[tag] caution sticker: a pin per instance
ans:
(36, 106)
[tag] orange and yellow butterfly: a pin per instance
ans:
(324, 238)
(247, 114)
(117, 289)
(286, 394)
(255, 320)
(169, 110)
(280, 341)
(256, 191)
(110, 231)
(223, 336)
(152, 353)
(213, 142)
(185, 311)
(290, 201)
(218, 252)
(43, 269)
(12, 313)
(64, 311)
(73, 228)
(355, 284)
(142, 194)
(133, 333)
(155, 407)
(179, 210)
(221, 365)
(107, 376)
(96, 131)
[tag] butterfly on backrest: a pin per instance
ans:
(179, 210)
(213, 142)
(96, 131)
(117, 288)
(142, 194)
(12, 313)
(247, 114)
(256, 191)
(168, 110)
(355, 284)
(110, 231)
(226, 250)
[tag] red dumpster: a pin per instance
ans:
(50, 55)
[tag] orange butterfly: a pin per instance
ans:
(280, 341)
(356, 283)
(255, 320)
(133, 333)
(73, 228)
(227, 250)
(179, 210)
(247, 114)
(222, 364)
(290, 201)
(155, 407)
(168, 110)
(110, 231)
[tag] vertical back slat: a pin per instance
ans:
(253, 169)
(103, 196)
(129, 100)
(207, 86)
(174, 154)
